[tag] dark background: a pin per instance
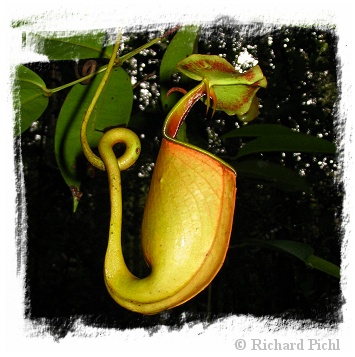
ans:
(65, 250)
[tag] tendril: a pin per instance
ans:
(89, 68)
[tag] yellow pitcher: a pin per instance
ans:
(187, 219)
(188, 216)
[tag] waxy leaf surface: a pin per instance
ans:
(31, 101)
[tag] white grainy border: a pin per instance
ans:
(219, 338)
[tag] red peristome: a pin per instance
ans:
(176, 89)
(181, 109)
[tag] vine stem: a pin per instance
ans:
(114, 60)
(91, 157)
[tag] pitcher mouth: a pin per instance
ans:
(179, 113)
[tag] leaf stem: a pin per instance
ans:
(101, 69)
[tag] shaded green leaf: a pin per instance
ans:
(32, 99)
(112, 109)
(299, 250)
(296, 142)
(256, 130)
(183, 44)
(61, 46)
(323, 265)
(282, 177)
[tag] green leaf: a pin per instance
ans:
(183, 44)
(282, 177)
(323, 265)
(112, 109)
(256, 130)
(61, 46)
(31, 99)
(293, 142)
(299, 250)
